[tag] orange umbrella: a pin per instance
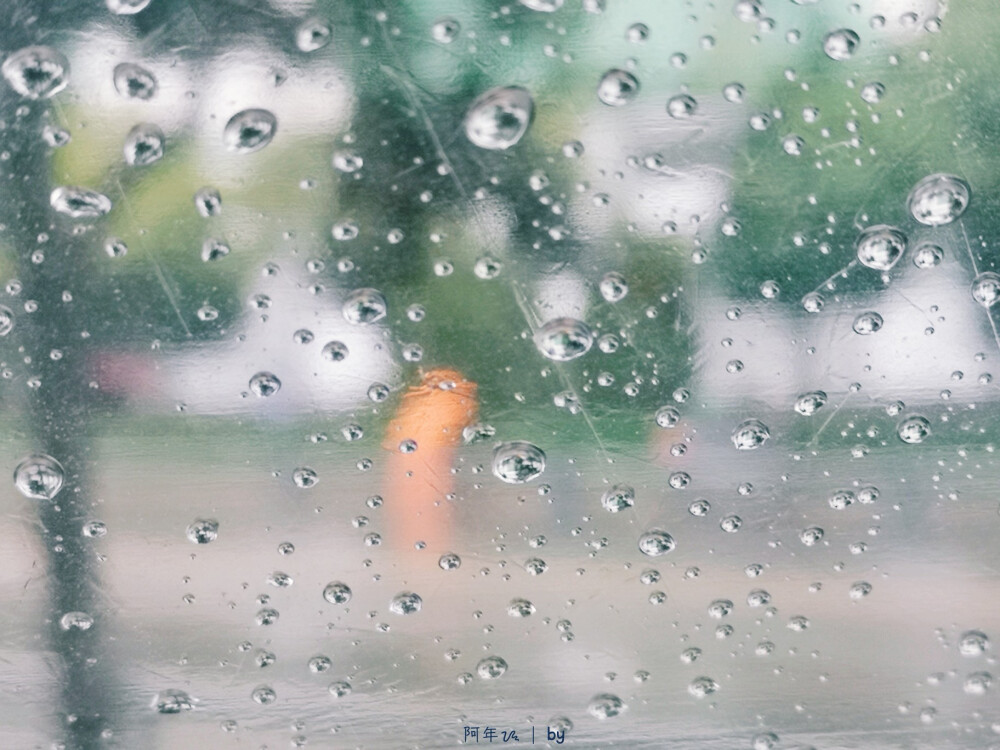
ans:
(424, 436)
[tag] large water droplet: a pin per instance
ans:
(312, 34)
(364, 306)
(617, 87)
(750, 435)
(701, 687)
(39, 477)
(606, 706)
(915, 429)
(973, 643)
(518, 462)
(79, 203)
(36, 72)
(938, 199)
(6, 320)
(249, 130)
(203, 530)
(867, 323)
(564, 339)
(406, 603)
(841, 44)
(144, 145)
(682, 106)
(265, 384)
(986, 288)
(499, 118)
(811, 536)
(618, 498)
(808, 404)
(656, 542)
(337, 592)
(491, 668)
(134, 81)
(880, 247)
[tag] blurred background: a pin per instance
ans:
(371, 371)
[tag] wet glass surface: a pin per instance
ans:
(373, 373)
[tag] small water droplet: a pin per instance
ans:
(134, 81)
(656, 542)
(973, 643)
(265, 384)
(445, 30)
(915, 429)
(811, 536)
(212, 249)
(312, 34)
(750, 435)
(305, 478)
(613, 286)
(337, 592)
(841, 44)
(564, 339)
(859, 590)
(79, 203)
(867, 323)
(364, 306)
(208, 202)
(406, 603)
(606, 706)
(76, 621)
(618, 498)
(264, 695)
(701, 687)
(872, 92)
(986, 289)
(808, 404)
(203, 530)
(335, 351)
(927, 255)
(682, 106)
(617, 87)
(518, 462)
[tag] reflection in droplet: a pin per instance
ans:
(880, 247)
(518, 462)
(617, 87)
(79, 203)
(36, 72)
(914, 429)
(499, 118)
(841, 44)
(564, 339)
(134, 81)
(39, 477)
(249, 130)
(938, 199)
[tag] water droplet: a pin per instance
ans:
(606, 706)
(126, 7)
(867, 323)
(445, 30)
(617, 87)
(249, 131)
(305, 478)
(114, 247)
(769, 289)
(667, 417)
(872, 92)
(76, 621)
(720, 608)
(734, 93)
(700, 508)
(841, 499)
(731, 524)
(764, 741)
(312, 34)
(449, 561)
(39, 477)
(750, 435)
(55, 137)
(564, 339)
(340, 689)
(701, 687)
(6, 320)
(405, 603)
(95, 529)
(793, 144)
(812, 303)
(518, 462)
(499, 118)
(203, 530)
(265, 384)
(520, 608)
(938, 199)
(986, 289)
(682, 106)
(208, 202)
(134, 81)
(915, 429)
(656, 542)
(487, 268)
(973, 643)
(841, 44)
(808, 404)
(320, 664)
(337, 592)
(977, 683)
(748, 11)
(173, 702)
(36, 72)
(264, 695)
(79, 203)
(364, 306)
(335, 351)
(811, 536)
(613, 287)
(618, 498)
(880, 247)
(859, 590)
